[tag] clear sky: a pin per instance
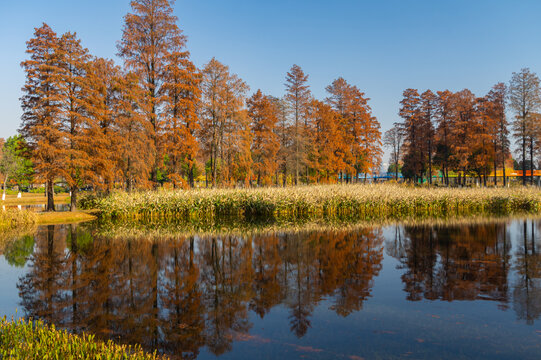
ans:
(382, 46)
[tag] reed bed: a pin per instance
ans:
(363, 202)
(12, 218)
(22, 339)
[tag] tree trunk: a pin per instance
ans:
(429, 163)
(213, 165)
(523, 160)
(495, 169)
(73, 205)
(50, 195)
(191, 175)
(531, 160)
(296, 144)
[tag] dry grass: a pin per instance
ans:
(12, 218)
(363, 202)
(64, 217)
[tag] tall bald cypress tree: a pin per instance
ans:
(42, 108)
(150, 35)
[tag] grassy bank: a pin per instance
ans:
(12, 218)
(64, 217)
(33, 199)
(362, 202)
(33, 340)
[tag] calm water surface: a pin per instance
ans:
(36, 207)
(412, 292)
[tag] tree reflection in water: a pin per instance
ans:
(471, 263)
(178, 295)
(527, 286)
(466, 262)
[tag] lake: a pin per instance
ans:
(459, 291)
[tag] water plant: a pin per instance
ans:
(21, 339)
(364, 202)
(11, 218)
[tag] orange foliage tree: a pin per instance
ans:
(298, 96)
(181, 124)
(41, 102)
(265, 144)
(156, 119)
(222, 119)
(150, 38)
(361, 135)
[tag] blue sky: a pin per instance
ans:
(382, 46)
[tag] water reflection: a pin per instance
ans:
(185, 295)
(466, 262)
(527, 284)
(181, 294)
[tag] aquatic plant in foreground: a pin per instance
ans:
(21, 339)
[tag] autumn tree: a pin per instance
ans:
(222, 104)
(496, 97)
(362, 135)
(238, 150)
(265, 144)
(366, 131)
(482, 143)
(73, 96)
(329, 148)
(150, 39)
(298, 96)
(41, 120)
(105, 88)
(122, 150)
(412, 126)
(442, 132)
(181, 123)
(283, 132)
(393, 139)
(135, 159)
(428, 112)
(524, 99)
(460, 135)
